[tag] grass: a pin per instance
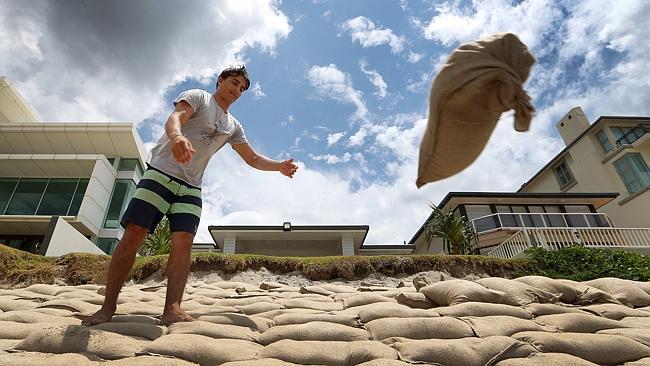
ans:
(18, 268)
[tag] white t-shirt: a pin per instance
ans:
(208, 130)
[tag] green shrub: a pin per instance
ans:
(581, 264)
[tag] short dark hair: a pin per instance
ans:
(236, 71)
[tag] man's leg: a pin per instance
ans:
(178, 268)
(121, 263)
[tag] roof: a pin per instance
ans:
(575, 141)
(13, 108)
(453, 199)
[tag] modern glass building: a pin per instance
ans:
(63, 185)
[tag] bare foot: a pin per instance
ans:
(101, 316)
(174, 316)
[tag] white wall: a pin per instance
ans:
(98, 194)
(66, 239)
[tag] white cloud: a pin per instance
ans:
(375, 78)
(333, 138)
(256, 89)
(415, 57)
(368, 34)
(331, 158)
(72, 63)
(290, 119)
(333, 83)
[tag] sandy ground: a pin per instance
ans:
(259, 318)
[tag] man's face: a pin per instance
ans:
(232, 87)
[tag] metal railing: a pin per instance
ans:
(493, 222)
(634, 134)
(558, 238)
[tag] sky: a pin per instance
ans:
(339, 86)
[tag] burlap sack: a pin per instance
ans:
(480, 80)
(590, 294)
(78, 306)
(364, 299)
(148, 361)
(134, 308)
(642, 362)
(639, 335)
(44, 289)
(381, 310)
(259, 307)
(385, 362)
(29, 316)
(624, 291)
(414, 300)
(11, 303)
(483, 309)
(337, 288)
(350, 320)
(453, 292)
(308, 304)
(141, 330)
(602, 349)
(81, 339)
(203, 350)
(269, 285)
(15, 330)
(143, 319)
(273, 313)
(260, 362)
(251, 321)
(569, 293)
(578, 323)
(313, 331)
(498, 325)
(419, 328)
(546, 359)
(316, 290)
(328, 353)
(47, 359)
(518, 293)
(212, 330)
(548, 309)
(466, 351)
(239, 301)
(614, 311)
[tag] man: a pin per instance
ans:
(197, 128)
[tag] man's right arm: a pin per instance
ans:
(181, 147)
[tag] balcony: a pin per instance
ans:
(509, 221)
(633, 135)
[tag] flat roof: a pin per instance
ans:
(13, 107)
(453, 199)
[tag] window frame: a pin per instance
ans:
(625, 161)
(559, 175)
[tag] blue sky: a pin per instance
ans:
(340, 86)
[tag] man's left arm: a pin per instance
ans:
(261, 162)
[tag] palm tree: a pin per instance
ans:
(456, 231)
(158, 242)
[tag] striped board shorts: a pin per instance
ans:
(158, 195)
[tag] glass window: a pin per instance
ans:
(537, 215)
(633, 171)
(130, 165)
(504, 217)
(107, 245)
(620, 131)
(476, 211)
(563, 174)
(27, 197)
(122, 192)
(78, 197)
(576, 220)
(524, 219)
(604, 141)
(7, 186)
(555, 219)
(58, 197)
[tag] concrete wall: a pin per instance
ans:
(98, 194)
(64, 239)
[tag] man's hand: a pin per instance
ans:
(182, 149)
(288, 168)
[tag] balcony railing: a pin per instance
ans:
(558, 238)
(634, 134)
(490, 223)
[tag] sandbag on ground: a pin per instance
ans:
(260, 362)
(308, 304)
(642, 362)
(602, 349)
(487, 326)
(590, 294)
(29, 316)
(548, 309)
(315, 290)
(212, 330)
(15, 330)
(251, 321)
(465, 351)
(203, 350)
(385, 362)
(258, 308)
(313, 331)
(546, 359)
(81, 339)
(614, 311)
(414, 300)
(639, 335)
(519, 293)
(367, 313)
(419, 328)
(623, 290)
(148, 361)
(328, 353)
(636, 322)
(453, 292)
(297, 318)
(579, 323)
(365, 299)
(483, 309)
(47, 359)
(569, 293)
(147, 331)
